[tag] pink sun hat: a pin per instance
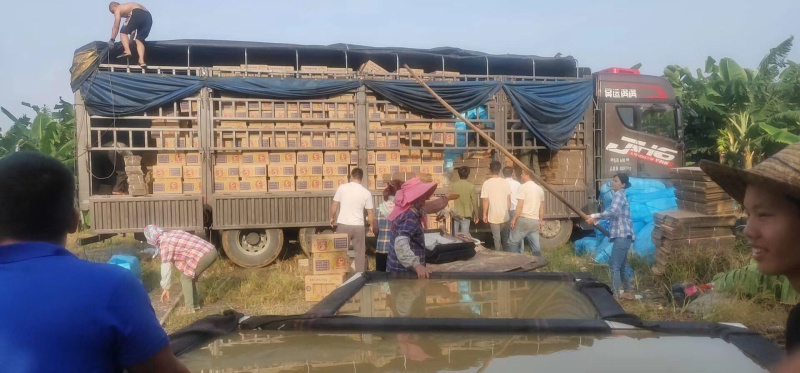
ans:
(411, 191)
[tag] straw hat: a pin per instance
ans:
(781, 171)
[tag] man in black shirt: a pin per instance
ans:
(770, 193)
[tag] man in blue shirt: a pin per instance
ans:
(59, 313)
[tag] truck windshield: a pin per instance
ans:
(660, 122)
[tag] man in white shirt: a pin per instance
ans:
(508, 174)
(349, 202)
(529, 217)
(496, 200)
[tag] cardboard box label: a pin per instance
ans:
(229, 158)
(333, 182)
(387, 156)
(193, 159)
(168, 186)
(283, 157)
(192, 186)
(321, 243)
(317, 287)
(226, 184)
(226, 171)
(309, 170)
(309, 157)
(171, 158)
(309, 183)
(255, 157)
(330, 262)
(191, 172)
(336, 169)
(252, 170)
(253, 184)
(280, 184)
(281, 169)
(168, 171)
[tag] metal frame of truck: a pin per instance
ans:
(252, 223)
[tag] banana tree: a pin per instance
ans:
(50, 132)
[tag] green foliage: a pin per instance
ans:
(51, 132)
(739, 115)
(748, 281)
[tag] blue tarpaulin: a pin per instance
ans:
(462, 96)
(551, 110)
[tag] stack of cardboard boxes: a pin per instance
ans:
(170, 171)
(329, 265)
(136, 182)
(565, 167)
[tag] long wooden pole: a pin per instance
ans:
(504, 151)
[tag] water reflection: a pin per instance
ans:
(496, 298)
(261, 352)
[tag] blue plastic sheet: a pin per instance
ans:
(462, 96)
(646, 197)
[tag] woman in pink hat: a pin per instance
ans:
(407, 236)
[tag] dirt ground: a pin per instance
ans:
(278, 290)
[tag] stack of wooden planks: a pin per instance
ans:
(704, 219)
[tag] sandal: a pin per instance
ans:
(143, 65)
(124, 55)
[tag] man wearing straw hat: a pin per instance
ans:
(408, 253)
(770, 193)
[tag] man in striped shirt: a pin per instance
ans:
(188, 253)
(621, 230)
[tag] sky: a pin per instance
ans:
(38, 37)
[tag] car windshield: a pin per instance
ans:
(474, 298)
(256, 352)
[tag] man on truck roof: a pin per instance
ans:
(61, 313)
(138, 22)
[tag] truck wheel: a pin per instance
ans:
(253, 247)
(555, 233)
(304, 237)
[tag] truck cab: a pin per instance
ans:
(640, 118)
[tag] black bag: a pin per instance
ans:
(450, 252)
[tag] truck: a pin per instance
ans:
(246, 142)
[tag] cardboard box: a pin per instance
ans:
(226, 171)
(312, 141)
(353, 157)
(410, 167)
(333, 182)
(309, 183)
(226, 184)
(342, 157)
(435, 168)
(318, 287)
(283, 157)
(309, 170)
(288, 125)
(171, 158)
(253, 170)
(255, 140)
(370, 67)
(330, 262)
(323, 243)
(168, 186)
(280, 184)
(253, 184)
(380, 184)
(413, 127)
(260, 158)
(281, 169)
(168, 171)
(386, 168)
(192, 186)
(342, 140)
(371, 157)
(261, 125)
(185, 106)
(371, 169)
(193, 159)
(371, 182)
(443, 126)
(335, 169)
(342, 126)
(229, 158)
(283, 141)
(415, 156)
(191, 172)
(314, 157)
(387, 156)
(403, 176)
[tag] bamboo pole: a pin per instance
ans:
(503, 150)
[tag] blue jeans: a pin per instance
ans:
(527, 229)
(617, 262)
(461, 226)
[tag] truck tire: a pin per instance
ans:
(555, 233)
(304, 237)
(253, 247)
